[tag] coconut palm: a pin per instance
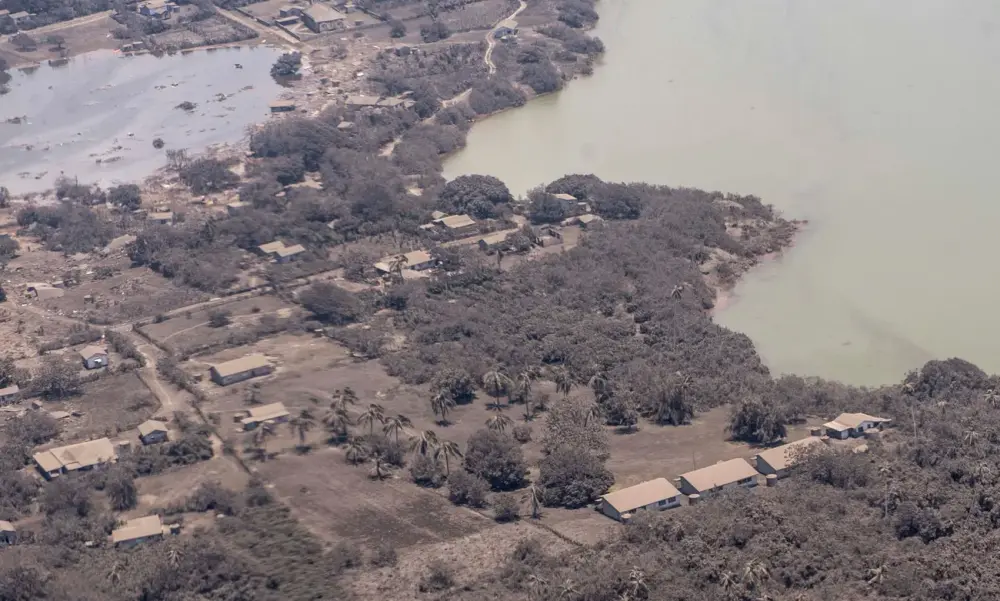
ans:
(991, 397)
(447, 449)
(374, 413)
(877, 574)
(441, 403)
(342, 399)
(636, 587)
(599, 384)
(174, 556)
(564, 381)
(423, 442)
(338, 423)
(381, 468)
(497, 383)
(261, 435)
(755, 574)
(525, 380)
(115, 573)
(534, 497)
(499, 422)
(356, 450)
(395, 425)
(253, 395)
(397, 264)
(302, 423)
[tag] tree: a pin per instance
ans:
(466, 191)
(302, 424)
(24, 42)
(338, 422)
(572, 477)
(534, 497)
(542, 77)
(569, 424)
(499, 422)
(287, 65)
(441, 404)
(331, 303)
(121, 490)
(670, 403)
(564, 381)
(396, 266)
(497, 383)
(261, 435)
(447, 449)
(56, 40)
(356, 451)
(506, 508)
(467, 489)
(756, 420)
(395, 425)
(219, 318)
(374, 413)
(127, 196)
(434, 31)
(207, 176)
(424, 442)
(397, 28)
(457, 383)
(343, 399)
(496, 458)
(57, 378)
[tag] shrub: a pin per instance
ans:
(467, 489)
(572, 477)
(506, 508)
(331, 304)
(521, 433)
(496, 458)
(397, 28)
(426, 471)
(440, 576)
(219, 318)
(433, 32)
(127, 196)
(207, 175)
(384, 556)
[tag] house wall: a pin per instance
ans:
(154, 438)
(688, 489)
(838, 435)
(95, 362)
(8, 398)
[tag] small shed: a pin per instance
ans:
(850, 425)
(10, 394)
(282, 106)
(161, 217)
(138, 531)
(8, 534)
(152, 431)
(505, 29)
(272, 413)
(288, 253)
(94, 357)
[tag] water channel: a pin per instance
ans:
(96, 117)
(876, 121)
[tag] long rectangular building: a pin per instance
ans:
(74, 457)
(241, 369)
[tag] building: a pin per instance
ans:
(656, 494)
(564, 197)
(435, 215)
(493, 241)
(240, 369)
(781, 459)
(282, 106)
(724, 475)
(152, 431)
(362, 100)
(161, 217)
(849, 425)
(74, 457)
(235, 208)
(8, 534)
(271, 248)
(288, 253)
(321, 18)
(345, 125)
(457, 225)
(94, 356)
(274, 413)
(505, 29)
(138, 531)
(21, 17)
(42, 291)
(416, 260)
(588, 220)
(10, 394)
(157, 9)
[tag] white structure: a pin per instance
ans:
(849, 425)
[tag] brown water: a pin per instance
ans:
(105, 107)
(877, 121)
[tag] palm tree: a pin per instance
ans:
(374, 413)
(424, 442)
(447, 449)
(755, 574)
(115, 573)
(525, 380)
(728, 582)
(252, 396)
(991, 397)
(260, 437)
(636, 587)
(534, 497)
(564, 381)
(599, 384)
(379, 460)
(496, 382)
(441, 403)
(342, 399)
(397, 264)
(499, 422)
(877, 574)
(395, 425)
(593, 412)
(356, 450)
(174, 556)
(302, 423)
(338, 423)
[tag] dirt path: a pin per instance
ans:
(491, 40)
(37, 33)
(264, 31)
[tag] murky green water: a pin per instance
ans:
(877, 121)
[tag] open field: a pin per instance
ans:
(85, 34)
(175, 485)
(192, 329)
(111, 405)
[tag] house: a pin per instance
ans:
(493, 241)
(240, 369)
(457, 225)
(271, 248)
(588, 220)
(282, 106)
(138, 531)
(94, 356)
(505, 29)
(74, 457)
(345, 125)
(362, 100)
(42, 291)
(21, 17)
(157, 9)
(235, 208)
(724, 475)
(416, 260)
(10, 394)
(288, 253)
(8, 535)
(849, 425)
(781, 459)
(274, 413)
(438, 215)
(653, 494)
(289, 11)
(564, 197)
(152, 431)
(161, 217)
(322, 18)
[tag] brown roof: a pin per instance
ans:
(76, 456)
(161, 216)
(289, 251)
(414, 257)
(150, 426)
(6, 526)
(237, 366)
(720, 474)
(362, 100)
(271, 247)
(456, 221)
(475, 239)
(588, 218)
(282, 104)
(438, 215)
(789, 454)
(321, 13)
(9, 390)
(568, 197)
(265, 413)
(492, 239)
(91, 350)
(640, 495)
(853, 420)
(151, 525)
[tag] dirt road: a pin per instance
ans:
(266, 33)
(491, 40)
